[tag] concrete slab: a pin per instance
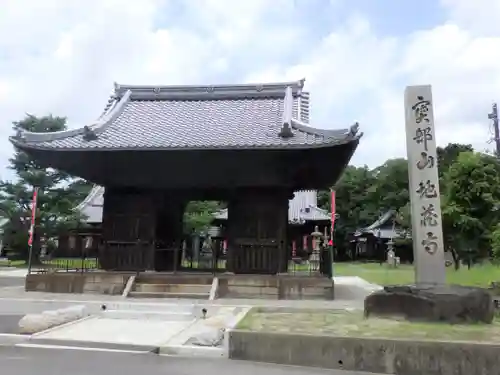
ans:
(119, 331)
(168, 329)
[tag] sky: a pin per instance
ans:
(62, 57)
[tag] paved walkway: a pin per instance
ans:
(13, 272)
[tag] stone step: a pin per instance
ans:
(173, 280)
(135, 294)
(171, 288)
(170, 307)
(237, 295)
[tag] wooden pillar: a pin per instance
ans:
(257, 231)
(170, 207)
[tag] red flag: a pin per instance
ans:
(333, 208)
(332, 219)
(33, 216)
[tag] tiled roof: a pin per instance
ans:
(303, 207)
(380, 227)
(194, 117)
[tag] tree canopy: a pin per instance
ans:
(470, 197)
(199, 215)
(58, 193)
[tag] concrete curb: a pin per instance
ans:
(205, 351)
(193, 351)
(373, 355)
(93, 344)
(8, 339)
(214, 289)
(233, 323)
(128, 286)
(61, 326)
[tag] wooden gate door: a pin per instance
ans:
(257, 224)
(128, 233)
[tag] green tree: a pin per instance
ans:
(352, 204)
(391, 188)
(448, 155)
(495, 242)
(470, 204)
(198, 215)
(58, 193)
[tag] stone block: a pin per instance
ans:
(447, 303)
(33, 323)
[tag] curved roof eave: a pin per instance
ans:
(381, 220)
(96, 190)
(111, 113)
(349, 138)
(330, 133)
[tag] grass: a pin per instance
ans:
(12, 263)
(67, 263)
(479, 275)
(342, 323)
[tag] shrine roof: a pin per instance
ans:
(92, 205)
(272, 115)
(383, 227)
(303, 207)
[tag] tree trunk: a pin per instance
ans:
(456, 258)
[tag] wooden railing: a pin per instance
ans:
(256, 258)
(126, 256)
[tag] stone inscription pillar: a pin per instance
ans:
(426, 223)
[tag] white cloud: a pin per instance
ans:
(62, 57)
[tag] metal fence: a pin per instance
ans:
(209, 259)
(81, 264)
(318, 263)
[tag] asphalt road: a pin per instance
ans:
(28, 361)
(11, 281)
(9, 323)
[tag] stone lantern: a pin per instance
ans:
(392, 259)
(314, 258)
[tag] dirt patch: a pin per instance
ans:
(345, 323)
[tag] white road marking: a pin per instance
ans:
(18, 358)
(63, 347)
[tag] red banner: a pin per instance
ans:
(333, 208)
(332, 219)
(33, 216)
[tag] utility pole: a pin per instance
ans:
(494, 116)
